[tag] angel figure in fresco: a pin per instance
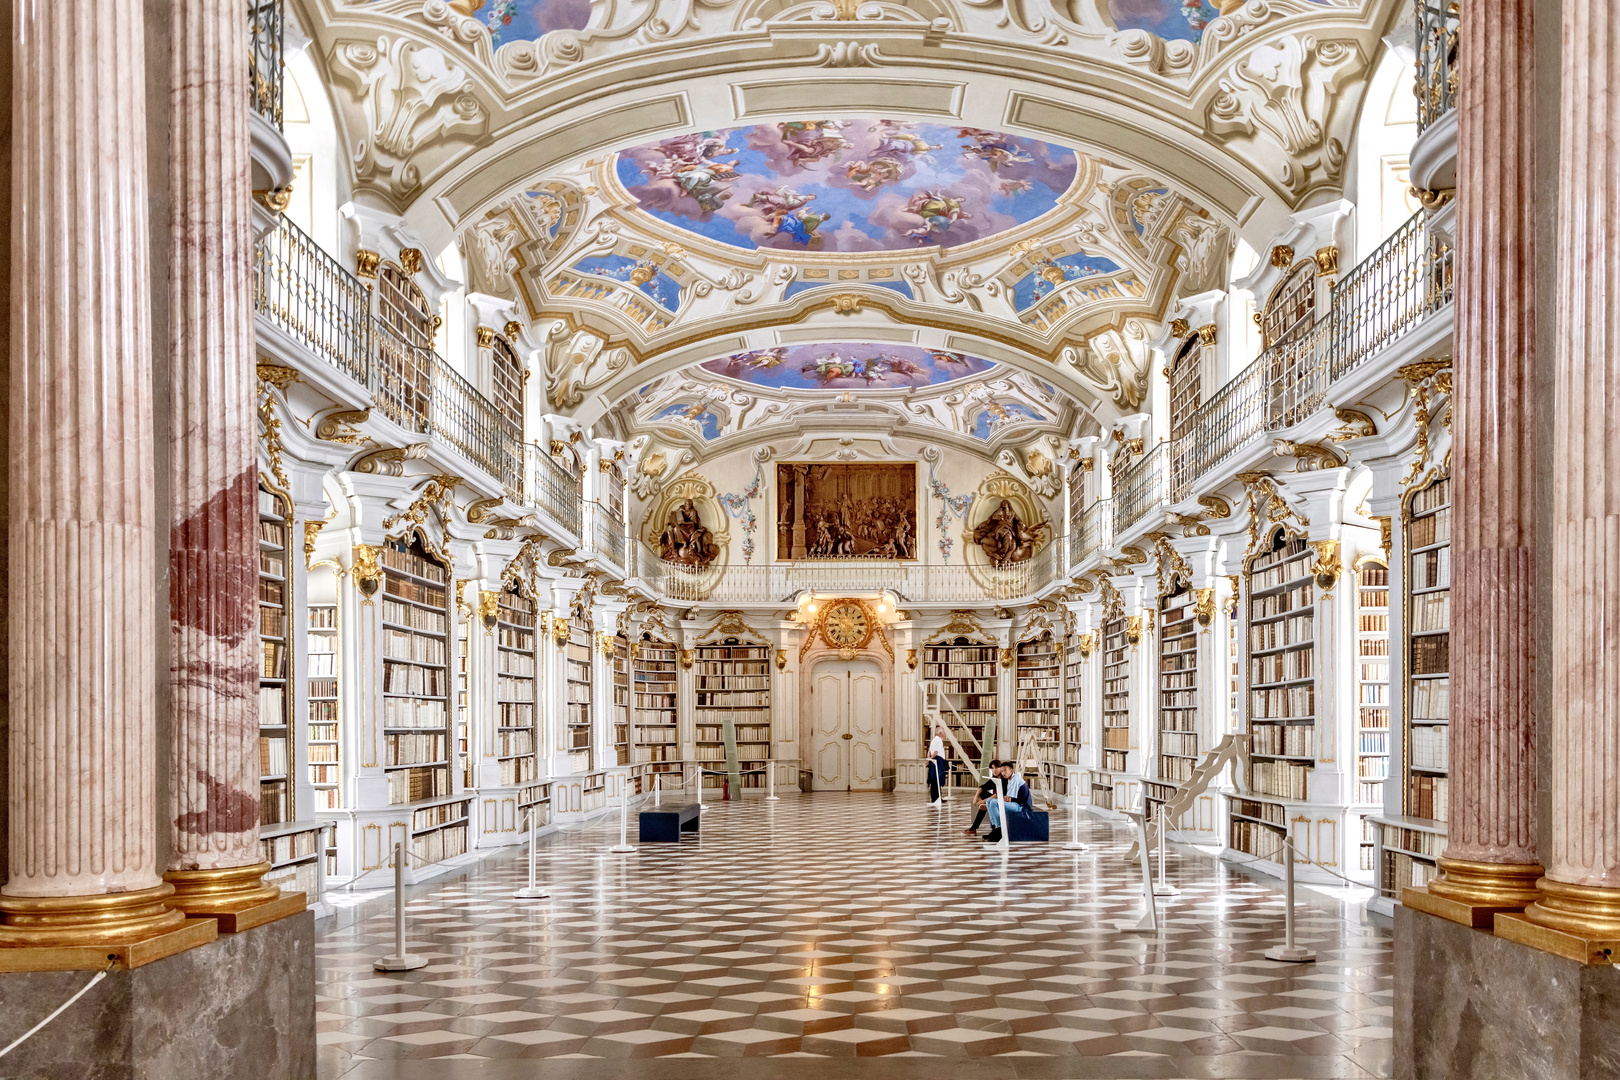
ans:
(871, 175)
(1014, 187)
(895, 139)
(948, 360)
(830, 366)
(809, 141)
(762, 359)
(693, 149)
(703, 182)
(992, 147)
(801, 228)
(937, 210)
(778, 204)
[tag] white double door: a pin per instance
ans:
(847, 738)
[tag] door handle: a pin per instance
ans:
(846, 735)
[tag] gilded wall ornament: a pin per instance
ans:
(781, 659)
(1327, 566)
(1086, 643)
(687, 657)
(1180, 328)
(366, 263)
(1327, 260)
(489, 606)
(911, 659)
(1310, 456)
(312, 529)
(1133, 630)
(341, 426)
(1204, 606)
(1206, 334)
(367, 569)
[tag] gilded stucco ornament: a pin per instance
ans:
(1133, 629)
(1204, 606)
(1327, 566)
(489, 609)
(341, 426)
(1086, 643)
(367, 569)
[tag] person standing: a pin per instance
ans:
(937, 765)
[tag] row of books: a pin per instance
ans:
(1427, 797)
(969, 654)
(1179, 679)
(408, 615)
(1299, 630)
(1372, 768)
(443, 814)
(1431, 747)
(1436, 495)
(1431, 699)
(1052, 683)
(1431, 569)
(968, 686)
(1373, 693)
(733, 670)
(1373, 598)
(1370, 791)
(1401, 871)
(403, 678)
(708, 753)
(733, 700)
(1434, 529)
(514, 688)
(1268, 576)
(326, 731)
(439, 845)
(519, 770)
(322, 666)
(1265, 811)
(1431, 655)
(515, 663)
(644, 753)
(1178, 699)
(1431, 611)
(510, 638)
(736, 682)
(1297, 740)
(417, 593)
(656, 736)
(655, 701)
(272, 622)
(512, 621)
(1372, 742)
(1416, 841)
(322, 688)
(271, 503)
(1283, 666)
(275, 803)
(397, 557)
(1296, 599)
(733, 652)
(417, 749)
(404, 645)
(274, 660)
(1254, 839)
(1281, 779)
(1177, 769)
(272, 706)
(273, 563)
(326, 798)
(1114, 760)
(272, 592)
(322, 617)
(405, 712)
(323, 752)
(1373, 623)
(273, 759)
(516, 713)
(1283, 703)
(414, 785)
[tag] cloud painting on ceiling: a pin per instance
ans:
(996, 415)
(1049, 274)
(644, 274)
(696, 414)
(525, 20)
(1173, 20)
(847, 185)
(850, 366)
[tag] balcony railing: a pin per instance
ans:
(1096, 530)
(607, 535)
(1436, 59)
(1394, 289)
(1143, 488)
(265, 21)
(1231, 419)
(553, 488)
(314, 299)
(911, 582)
(471, 423)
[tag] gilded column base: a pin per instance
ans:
(1580, 922)
(66, 933)
(1474, 893)
(233, 896)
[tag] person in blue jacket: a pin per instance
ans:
(1020, 799)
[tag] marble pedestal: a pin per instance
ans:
(1471, 1005)
(243, 1006)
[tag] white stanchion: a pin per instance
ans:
(401, 960)
(658, 795)
(532, 891)
(1004, 845)
(1150, 917)
(624, 846)
(701, 807)
(1288, 952)
(770, 774)
(1163, 887)
(1074, 843)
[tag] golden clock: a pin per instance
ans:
(846, 625)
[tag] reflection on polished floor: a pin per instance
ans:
(836, 935)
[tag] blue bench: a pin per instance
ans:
(664, 824)
(1032, 826)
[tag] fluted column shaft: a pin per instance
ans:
(81, 581)
(213, 561)
(1491, 851)
(1582, 886)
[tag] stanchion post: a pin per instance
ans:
(701, 807)
(658, 794)
(624, 846)
(770, 775)
(533, 891)
(400, 960)
(1163, 887)
(1288, 952)
(1074, 843)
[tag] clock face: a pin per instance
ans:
(845, 625)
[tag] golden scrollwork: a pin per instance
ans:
(1232, 594)
(489, 608)
(911, 659)
(961, 624)
(1328, 565)
(1172, 570)
(559, 631)
(1206, 334)
(1133, 629)
(513, 330)
(1327, 259)
(1006, 658)
(1086, 643)
(1282, 256)
(275, 200)
(1267, 507)
(389, 461)
(1310, 456)
(437, 494)
(367, 569)
(687, 657)
(1215, 506)
(485, 336)
(312, 529)
(781, 659)
(340, 426)
(845, 303)
(366, 263)
(1355, 424)
(410, 260)
(1180, 328)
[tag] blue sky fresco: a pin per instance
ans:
(796, 287)
(847, 185)
(1173, 20)
(525, 20)
(707, 421)
(1033, 287)
(984, 424)
(662, 289)
(848, 366)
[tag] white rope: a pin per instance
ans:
(60, 1009)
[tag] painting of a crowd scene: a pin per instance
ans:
(865, 511)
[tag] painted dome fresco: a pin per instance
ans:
(847, 185)
(847, 366)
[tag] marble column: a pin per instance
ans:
(1490, 863)
(1580, 901)
(215, 862)
(82, 859)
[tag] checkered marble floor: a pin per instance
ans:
(843, 936)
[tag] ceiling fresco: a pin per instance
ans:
(1173, 20)
(847, 366)
(847, 185)
(525, 20)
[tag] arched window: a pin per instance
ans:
(404, 348)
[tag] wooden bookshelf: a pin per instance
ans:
(416, 674)
(656, 729)
(1372, 697)
(621, 699)
(275, 664)
(968, 675)
(1040, 696)
(734, 707)
(1074, 717)
(1281, 610)
(463, 707)
(1428, 652)
(516, 686)
(439, 831)
(1410, 848)
(1116, 700)
(577, 669)
(322, 707)
(1178, 687)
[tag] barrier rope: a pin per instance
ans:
(1298, 859)
(58, 1011)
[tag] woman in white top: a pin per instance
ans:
(936, 767)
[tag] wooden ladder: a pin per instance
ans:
(1232, 749)
(933, 699)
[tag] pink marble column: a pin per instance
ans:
(1490, 862)
(213, 526)
(83, 859)
(1581, 890)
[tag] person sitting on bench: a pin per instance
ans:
(986, 791)
(1020, 800)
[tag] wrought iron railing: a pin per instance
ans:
(403, 383)
(1391, 291)
(1296, 373)
(1436, 59)
(469, 422)
(314, 299)
(1231, 419)
(1144, 487)
(1096, 529)
(607, 533)
(553, 488)
(265, 68)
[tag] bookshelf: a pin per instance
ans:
(967, 674)
(416, 674)
(656, 733)
(463, 711)
(1410, 848)
(1428, 655)
(621, 700)
(1282, 691)
(577, 739)
(1074, 718)
(1178, 687)
(734, 707)
(1372, 697)
(516, 682)
(1116, 700)
(275, 699)
(1040, 696)
(322, 707)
